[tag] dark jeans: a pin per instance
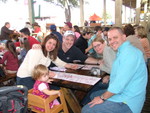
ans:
(27, 81)
(96, 87)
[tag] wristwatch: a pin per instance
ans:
(102, 97)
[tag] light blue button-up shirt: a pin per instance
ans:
(128, 77)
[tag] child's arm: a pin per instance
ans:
(51, 92)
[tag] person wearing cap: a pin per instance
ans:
(105, 31)
(36, 27)
(53, 30)
(68, 26)
(81, 42)
(70, 53)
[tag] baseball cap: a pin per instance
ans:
(52, 27)
(106, 29)
(69, 24)
(67, 33)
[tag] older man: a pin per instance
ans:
(128, 79)
(6, 32)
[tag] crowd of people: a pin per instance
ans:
(122, 53)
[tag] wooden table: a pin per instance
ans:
(68, 86)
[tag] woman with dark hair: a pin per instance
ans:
(76, 31)
(11, 58)
(25, 48)
(130, 34)
(45, 55)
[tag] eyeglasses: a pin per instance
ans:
(96, 46)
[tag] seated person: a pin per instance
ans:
(69, 53)
(10, 57)
(81, 42)
(109, 55)
(41, 87)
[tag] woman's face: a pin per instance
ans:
(98, 47)
(50, 45)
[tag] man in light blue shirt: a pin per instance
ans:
(128, 80)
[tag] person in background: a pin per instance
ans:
(67, 26)
(105, 31)
(82, 41)
(29, 26)
(140, 32)
(44, 55)
(128, 71)
(41, 87)
(130, 34)
(98, 32)
(76, 31)
(6, 32)
(69, 53)
(11, 58)
(25, 47)
(53, 30)
(25, 33)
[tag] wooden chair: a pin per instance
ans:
(34, 100)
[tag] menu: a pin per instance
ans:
(90, 80)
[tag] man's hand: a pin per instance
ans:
(96, 100)
(72, 66)
(105, 80)
(51, 74)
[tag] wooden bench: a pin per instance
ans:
(4, 81)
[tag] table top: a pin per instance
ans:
(74, 85)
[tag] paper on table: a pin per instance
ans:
(90, 80)
(58, 68)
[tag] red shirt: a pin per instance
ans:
(11, 61)
(31, 40)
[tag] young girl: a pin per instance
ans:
(10, 58)
(41, 87)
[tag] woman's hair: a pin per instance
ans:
(25, 43)
(77, 29)
(128, 30)
(53, 54)
(12, 48)
(98, 39)
(141, 32)
(38, 71)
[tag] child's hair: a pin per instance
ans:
(38, 71)
(25, 43)
(12, 48)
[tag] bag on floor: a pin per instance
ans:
(13, 99)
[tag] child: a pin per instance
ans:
(10, 58)
(41, 87)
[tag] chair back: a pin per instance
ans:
(34, 100)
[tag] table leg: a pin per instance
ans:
(71, 100)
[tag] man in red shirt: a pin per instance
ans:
(25, 33)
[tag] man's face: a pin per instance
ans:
(68, 41)
(115, 39)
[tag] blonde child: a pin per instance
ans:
(41, 87)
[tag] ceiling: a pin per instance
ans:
(129, 3)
